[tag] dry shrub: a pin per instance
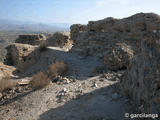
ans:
(42, 79)
(39, 80)
(59, 68)
(43, 45)
(6, 84)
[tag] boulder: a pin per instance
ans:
(32, 39)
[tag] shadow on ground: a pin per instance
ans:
(96, 105)
(17, 97)
(79, 67)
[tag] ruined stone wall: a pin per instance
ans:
(76, 29)
(132, 44)
(141, 81)
(30, 39)
(119, 57)
(98, 36)
(22, 56)
(58, 39)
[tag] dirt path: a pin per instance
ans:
(82, 98)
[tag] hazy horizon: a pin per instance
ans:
(71, 11)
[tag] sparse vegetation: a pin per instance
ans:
(6, 83)
(9, 37)
(42, 79)
(59, 68)
(39, 80)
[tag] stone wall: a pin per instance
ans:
(119, 57)
(141, 81)
(30, 39)
(97, 37)
(132, 44)
(59, 39)
(22, 56)
(76, 29)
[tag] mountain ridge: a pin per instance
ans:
(13, 25)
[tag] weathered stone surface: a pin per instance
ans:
(5, 70)
(21, 55)
(97, 37)
(132, 43)
(118, 57)
(76, 29)
(59, 39)
(30, 39)
(141, 81)
(101, 25)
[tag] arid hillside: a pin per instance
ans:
(105, 70)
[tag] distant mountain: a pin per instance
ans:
(11, 25)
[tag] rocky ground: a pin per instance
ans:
(86, 93)
(104, 57)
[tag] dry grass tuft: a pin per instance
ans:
(43, 45)
(59, 68)
(39, 80)
(42, 79)
(6, 84)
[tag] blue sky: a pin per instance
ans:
(73, 11)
